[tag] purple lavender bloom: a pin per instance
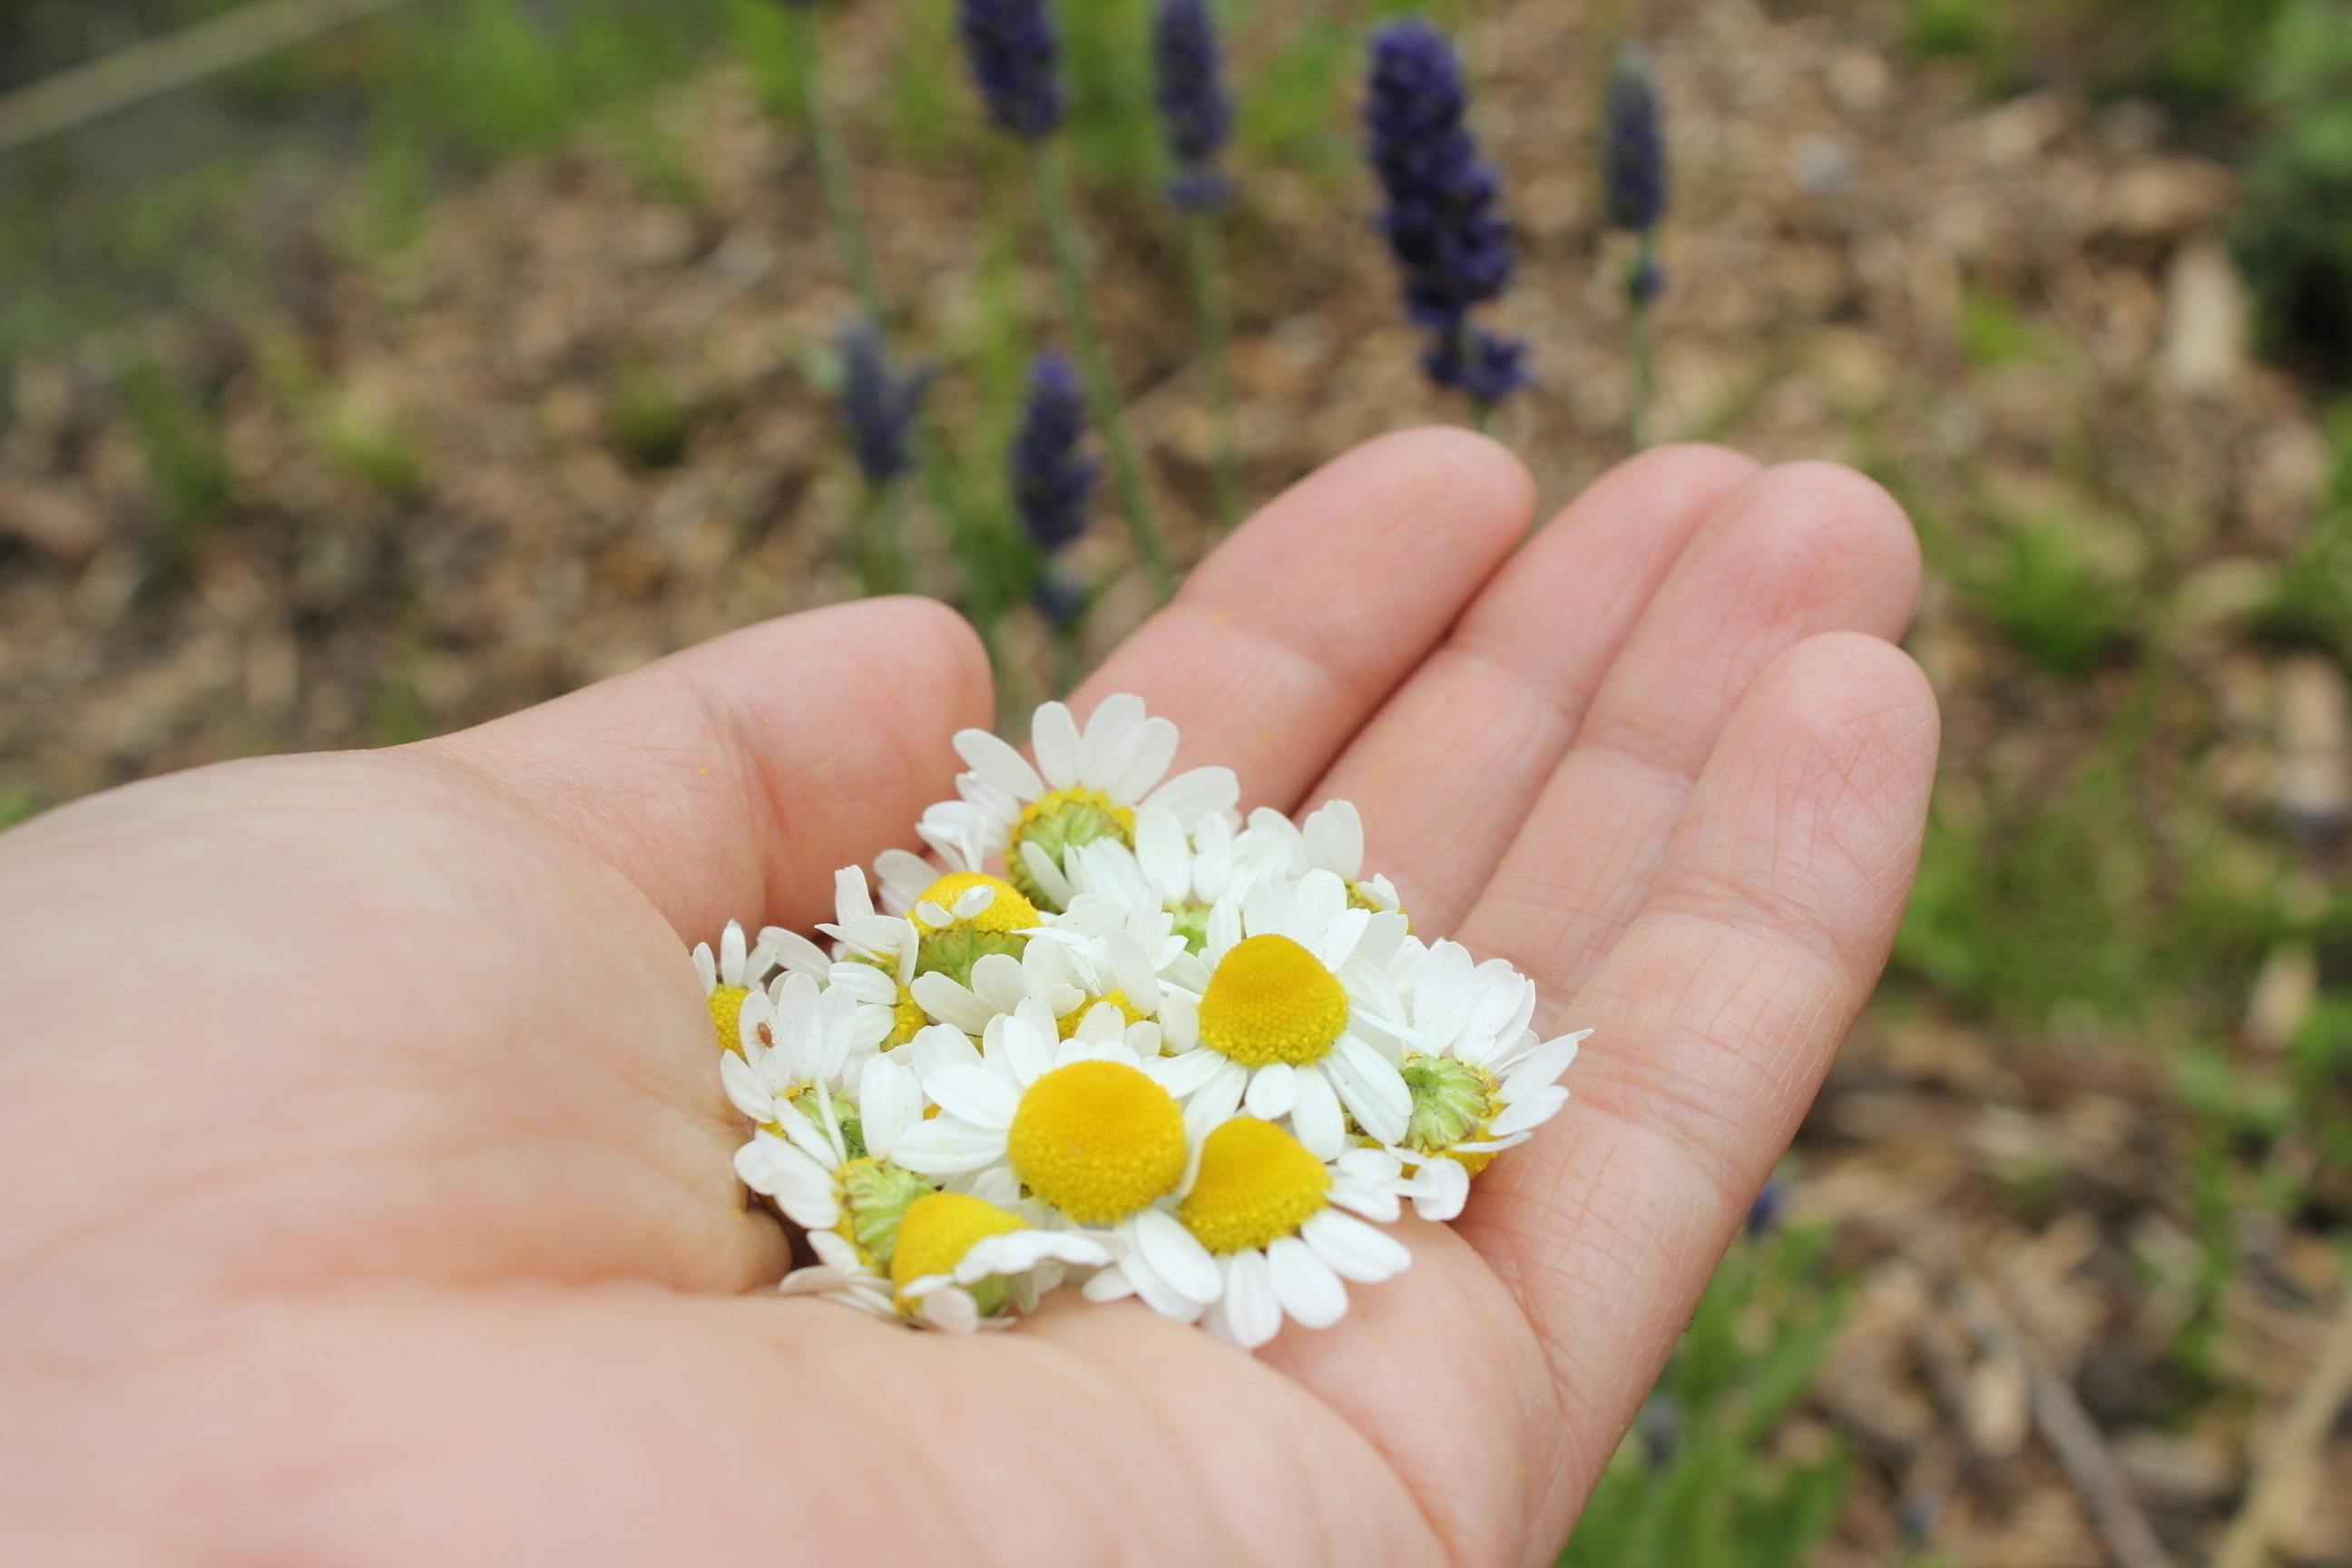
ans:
(1194, 112)
(879, 404)
(1052, 478)
(1443, 220)
(1015, 55)
(1633, 146)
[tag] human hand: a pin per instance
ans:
(368, 1191)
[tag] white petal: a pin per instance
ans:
(1382, 1103)
(1049, 877)
(1148, 757)
(1054, 736)
(1335, 840)
(997, 979)
(1441, 998)
(1316, 1117)
(973, 901)
(1542, 1066)
(1316, 904)
(1533, 1111)
(950, 1003)
(1355, 1250)
(1160, 851)
(1176, 1256)
(974, 1094)
(864, 981)
(1215, 1100)
(903, 878)
(1111, 1285)
(744, 1086)
(999, 764)
(945, 1146)
(1310, 1292)
(1273, 1090)
(890, 1101)
(1110, 736)
(1440, 1189)
(1251, 1312)
(1184, 1074)
(1202, 792)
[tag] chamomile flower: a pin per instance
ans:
(729, 977)
(797, 1043)
(829, 1162)
(1086, 786)
(1277, 1021)
(1480, 1079)
(960, 916)
(1330, 839)
(1186, 873)
(958, 1263)
(997, 985)
(1270, 1212)
(1085, 1129)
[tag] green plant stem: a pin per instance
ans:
(1207, 227)
(1640, 352)
(834, 171)
(1069, 660)
(1070, 262)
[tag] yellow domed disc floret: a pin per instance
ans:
(935, 1233)
(1273, 1001)
(1257, 1185)
(953, 949)
(727, 1014)
(1097, 1140)
(1008, 911)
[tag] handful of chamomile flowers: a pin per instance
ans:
(1109, 1036)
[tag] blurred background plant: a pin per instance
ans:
(430, 364)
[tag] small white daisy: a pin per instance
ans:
(1270, 1214)
(729, 977)
(1276, 1020)
(1480, 1079)
(1086, 786)
(827, 1161)
(958, 1263)
(1087, 1130)
(1330, 839)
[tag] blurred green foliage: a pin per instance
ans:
(1699, 1480)
(648, 421)
(187, 468)
(2293, 227)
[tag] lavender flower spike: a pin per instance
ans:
(879, 404)
(1633, 146)
(1453, 248)
(1194, 111)
(1016, 55)
(1052, 480)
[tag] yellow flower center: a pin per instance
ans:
(935, 1233)
(1097, 1140)
(1257, 1185)
(907, 1020)
(1009, 912)
(1273, 1001)
(727, 1015)
(1070, 1021)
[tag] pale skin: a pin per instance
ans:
(367, 1196)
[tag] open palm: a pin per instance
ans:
(365, 1181)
